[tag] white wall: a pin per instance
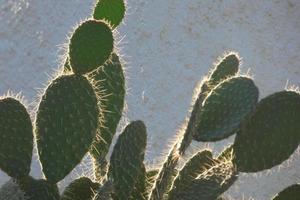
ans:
(169, 45)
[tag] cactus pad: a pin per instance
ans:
(112, 11)
(16, 136)
(126, 162)
(12, 191)
(166, 176)
(140, 189)
(66, 124)
(110, 80)
(90, 46)
(271, 134)
(207, 182)
(225, 107)
(229, 66)
(80, 189)
(195, 166)
(38, 189)
(289, 193)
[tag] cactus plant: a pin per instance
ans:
(80, 110)
(288, 193)
(66, 124)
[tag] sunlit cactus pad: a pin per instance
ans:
(16, 138)
(225, 107)
(112, 11)
(271, 134)
(66, 124)
(90, 46)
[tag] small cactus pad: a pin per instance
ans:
(126, 162)
(151, 176)
(16, 136)
(90, 46)
(270, 135)
(105, 192)
(229, 66)
(166, 176)
(66, 124)
(80, 189)
(140, 189)
(290, 193)
(207, 182)
(12, 191)
(38, 189)
(112, 11)
(110, 81)
(195, 166)
(225, 107)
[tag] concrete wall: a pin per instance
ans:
(168, 45)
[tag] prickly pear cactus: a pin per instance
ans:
(80, 189)
(290, 193)
(80, 110)
(126, 162)
(111, 11)
(90, 46)
(38, 189)
(271, 134)
(225, 107)
(227, 67)
(204, 177)
(16, 136)
(66, 124)
(12, 191)
(110, 81)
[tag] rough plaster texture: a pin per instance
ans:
(168, 45)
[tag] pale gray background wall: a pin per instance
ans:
(169, 45)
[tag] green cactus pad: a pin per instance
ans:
(151, 176)
(66, 124)
(112, 11)
(140, 189)
(209, 180)
(225, 107)
(228, 67)
(127, 159)
(271, 134)
(38, 189)
(80, 189)
(16, 136)
(12, 191)
(166, 176)
(195, 166)
(105, 192)
(110, 80)
(290, 193)
(90, 46)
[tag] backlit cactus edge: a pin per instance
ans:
(80, 110)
